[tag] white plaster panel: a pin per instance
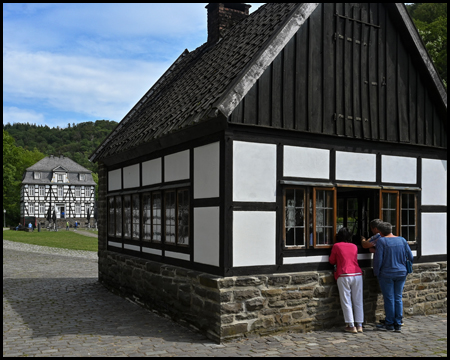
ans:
(151, 172)
(176, 255)
(115, 244)
(434, 182)
(206, 235)
(206, 171)
(434, 234)
(254, 238)
(131, 176)
(398, 169)
(355, 166)
(254, 172)
(306, 162)
(115, 180)
(176, 166)
(152, 251)
(132, 247)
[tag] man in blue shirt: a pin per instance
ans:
(390, 268)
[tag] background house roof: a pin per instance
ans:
(52, 162)
(184, 95)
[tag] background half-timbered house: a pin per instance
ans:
(61, 185)
(222, 189)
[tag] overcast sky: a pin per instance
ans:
(70, 63)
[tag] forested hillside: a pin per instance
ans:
(77, 141)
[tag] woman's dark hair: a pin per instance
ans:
(344, 235)
(374, 223)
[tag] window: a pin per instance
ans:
(400, 209)
(41, 208)
(87, 191)
(135, 214)
(37, 175)
(408, 221)
(41, 190)
(127, 216)
(165, 215)
(118, 200)
(60, 191)
(156, 217)
(309, 217)
(77, 191)
(78, 209)
(82, 177)
(111, 216)
(31, 209)
(59, 177)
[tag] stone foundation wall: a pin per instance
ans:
(232, 307)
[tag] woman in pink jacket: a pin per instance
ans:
(348, 275)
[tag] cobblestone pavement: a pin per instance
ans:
(53, 305)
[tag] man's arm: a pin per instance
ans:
(366, 243)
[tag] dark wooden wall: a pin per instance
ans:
(347, 72)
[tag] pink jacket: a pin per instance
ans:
(345, 256)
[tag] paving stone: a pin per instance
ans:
(53, 305)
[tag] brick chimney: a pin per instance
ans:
(222, 16)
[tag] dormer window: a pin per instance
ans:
(82, 177)
(37, 175)
(59, 177)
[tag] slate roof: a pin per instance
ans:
(185, 94)
(48, 164)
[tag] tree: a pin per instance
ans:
(431, 22)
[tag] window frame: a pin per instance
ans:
(310, 211)
(399, 193)
(60, 190)
(41, 190)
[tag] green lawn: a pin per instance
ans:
(59, 239)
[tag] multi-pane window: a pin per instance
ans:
(156, 216)
(31, 209)
(41, 208)
(82, 177)
(389, 208)
(295, 217)
(37, 175)
(324, 201)
(60, 191)
(183, 217)
(170, 212)
(87, 191)
(309, 217)
(127, 216)
(77, 191)
(408, 216)
(77, 209)
(59, 177)
(118, 216)
(135, 215)
(400, 209)
(41, 190)
(111, 216)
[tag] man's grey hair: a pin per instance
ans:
(374, 223)
(385, 228)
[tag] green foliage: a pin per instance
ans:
(15, 160)
(431, 22)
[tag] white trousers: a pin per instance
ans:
(351, 295)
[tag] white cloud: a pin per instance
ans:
(102, 88)
(15, 115)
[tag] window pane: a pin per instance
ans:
(295, 217)
(170, 206)
(389, 210)
(408, 218)
(324, 217)
(136, 209)
(156, 216)
(352, 215)
(127, 216)
(183, 217)
(111, 225)
(146, 217)
(118, 216)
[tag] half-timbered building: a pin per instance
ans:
(222, 189)
(61, 185)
